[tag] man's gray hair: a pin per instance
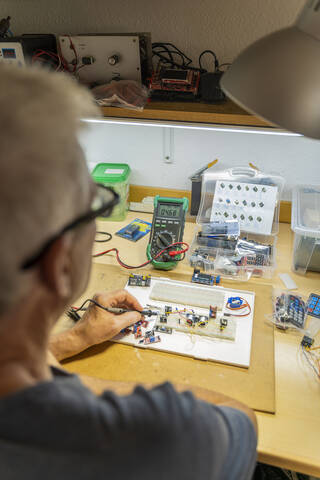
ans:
(43, 174)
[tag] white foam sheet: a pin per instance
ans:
(224, 351)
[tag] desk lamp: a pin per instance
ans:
(278, 76)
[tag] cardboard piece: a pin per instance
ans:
(254, 386)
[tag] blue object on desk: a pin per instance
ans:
(314, 305)
(135, 230)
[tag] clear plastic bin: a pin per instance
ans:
(250, 192)
(305, 222)
(115, 175)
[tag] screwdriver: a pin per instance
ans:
(119, 311)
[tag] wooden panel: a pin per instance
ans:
(253, 386)
(227, 113)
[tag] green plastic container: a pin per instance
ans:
(115, 175)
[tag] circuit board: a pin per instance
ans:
(208, 330)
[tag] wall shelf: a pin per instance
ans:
(227, 113)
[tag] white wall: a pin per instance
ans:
(226, 26)
(296, 158)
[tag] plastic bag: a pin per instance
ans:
(122, 93)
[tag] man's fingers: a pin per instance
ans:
(120, 297)
(126, 319)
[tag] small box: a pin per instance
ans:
(305, 222)
(115, 175)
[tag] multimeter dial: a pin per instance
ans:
(164, 239)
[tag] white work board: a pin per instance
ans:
(233, 352)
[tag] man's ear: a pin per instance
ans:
(56, 267)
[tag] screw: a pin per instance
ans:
(261, 204)
(253, 204)
(236, 202)
(255, 189)
(230, 186)
(222, 185)
(242, 217)
(244, 202)
(264, 190)
(226, 214)
(250, 218)
(247, 188)
(239, 187)
(259, 219)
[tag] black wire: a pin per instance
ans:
(171, 49)
(97, 304)
(216, 62)
(105, 240)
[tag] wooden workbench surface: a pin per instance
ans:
(291, 437)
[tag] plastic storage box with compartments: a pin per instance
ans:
(305, 222)
(245, 197)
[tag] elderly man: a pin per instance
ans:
(51, 425)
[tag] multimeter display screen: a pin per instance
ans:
(170, 211)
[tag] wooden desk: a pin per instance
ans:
(290, 438)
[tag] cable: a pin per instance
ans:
(216, 62)
(172, 253)
(170, 49)
(106, 239)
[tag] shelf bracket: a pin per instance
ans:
(168, 144)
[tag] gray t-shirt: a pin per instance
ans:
(59, 430)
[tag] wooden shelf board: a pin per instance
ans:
(227, 113)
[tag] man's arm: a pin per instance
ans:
(96, 325)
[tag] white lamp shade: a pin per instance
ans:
(278, 79)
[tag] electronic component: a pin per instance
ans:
(167, 228)
(313, 308)
(307, 341)
(100, 58)
(235, 302)
(289, 309)
(213, 312)
(204, 278)
(223, 323)
(167, 309)
(173, 84)
(135, 230)
(197, 296)
(163, 329)
(163, 319)
(23, 50)
(152, 339)
(139, 280)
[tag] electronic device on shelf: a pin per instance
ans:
(100, 58)
(174, 84)
(22, 50)
(167, 228)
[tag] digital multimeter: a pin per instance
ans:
(167, 228)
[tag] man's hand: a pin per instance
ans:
(96, 325)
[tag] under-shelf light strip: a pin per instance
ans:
(203, 126)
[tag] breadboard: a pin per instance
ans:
(187, 295)
(212, 329)
(234, 350)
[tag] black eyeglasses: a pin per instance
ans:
(102, 205)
